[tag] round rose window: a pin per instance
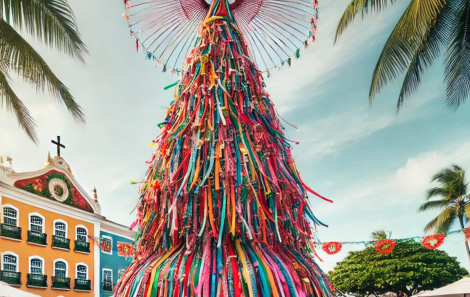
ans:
(58, 189)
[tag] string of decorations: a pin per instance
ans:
(123, 249)
(386, 246)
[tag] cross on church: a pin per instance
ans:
(59, 145)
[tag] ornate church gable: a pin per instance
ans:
(55, 182)
(55, 185)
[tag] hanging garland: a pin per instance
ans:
(121, 247)
(385, 246)
(96, 240)
(432, 242)
(332, 248)
(466, 232)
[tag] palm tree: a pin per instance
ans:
(453, 200)
(51, 22)
(378, 235)
(426, 28)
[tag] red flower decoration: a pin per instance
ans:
(332, 248)
(125, 249)
(467, 233)
(385, 246)
(432, 242)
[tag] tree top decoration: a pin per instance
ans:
(274, 30)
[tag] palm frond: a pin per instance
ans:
(19, 56)
(428, 50)
(432, 225)
(51, 21)
(446, 219)
(443, 222)
(379, 235)
(434, 204)
(405, 39)
(439, 192)
(453, 181)
(14, 105)
(355, 7)
(467, 210)
(457, 57)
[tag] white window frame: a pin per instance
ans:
(66, 226)
(17, 213)
(76, 232)
(76, 270)
(102, 275)
(35, 214)
(66, 266)
(36, 257)
(110, 238)
(10, 254)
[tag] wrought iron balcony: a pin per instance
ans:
(108, 287)
(60, 243)
(11, 278)
(38, 238)
(60, 283)
(9, 231)
(36, 281)
(82, 247)
(82, 285)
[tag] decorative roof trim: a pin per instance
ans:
(49, 165)
(26, 197)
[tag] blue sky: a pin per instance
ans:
(375, 165)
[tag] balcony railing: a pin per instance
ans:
(108, 287)
(60, 283)
(11, 278)
(37, 238)
(36, 281)
(60, 243)
(82, 247)
(82, 285)
(10, 231)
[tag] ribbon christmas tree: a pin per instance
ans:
(223, 210)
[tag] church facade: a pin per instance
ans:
(53, 238)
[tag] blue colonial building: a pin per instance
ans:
(112, 265)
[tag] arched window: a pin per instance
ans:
(107, 280)
(36, 222)
(10, 216)
(36, 265)
(9, 262)
(82, 233)
(60, 228)
(81, 271)
(60, 268)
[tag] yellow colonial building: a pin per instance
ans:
(47, 226)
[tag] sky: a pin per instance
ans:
(374, 163)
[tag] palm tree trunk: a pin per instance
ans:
(466, 242)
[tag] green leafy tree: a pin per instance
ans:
(452, 198)
(53, 23)
(410, 268)
(424, 31)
